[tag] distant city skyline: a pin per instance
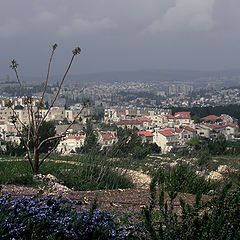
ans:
(120, 35)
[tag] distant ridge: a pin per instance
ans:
(154, 75)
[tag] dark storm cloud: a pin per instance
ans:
(123, 34)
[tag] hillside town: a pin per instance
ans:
(142, 94)
(168, 131)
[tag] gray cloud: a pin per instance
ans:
(80, 26)
(9, 29)
(185, 15)
(126, 34)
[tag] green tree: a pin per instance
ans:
(217, 146)
(129, 144)
(91, 141)
(196, 119)
(46, 130)
(194, 143)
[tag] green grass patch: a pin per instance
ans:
(87, 176)
(90, 175)
(16, 172)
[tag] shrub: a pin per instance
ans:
(48, 218)
(182, 179)
(204, 158)
(140, 152)
(91, 175)
(216, 219)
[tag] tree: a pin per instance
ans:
(46, 130)
(30, 132)
(91, 142)
(194, 143)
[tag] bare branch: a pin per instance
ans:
(48, 71)
(75, 118)
(55, 146)
(75, 52)
(14, 66)
(16, 116)
(64, 133)
(26, 145)
(27, 100)
(49, 139)
(33, 114)
(41, 105)
(34, 127)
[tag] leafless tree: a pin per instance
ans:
(35, 120)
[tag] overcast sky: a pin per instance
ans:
(120, 34)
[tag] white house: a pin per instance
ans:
(146, 136)
(166, 139)
(70, 144)
(106, 139)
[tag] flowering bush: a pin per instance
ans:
(49, 218)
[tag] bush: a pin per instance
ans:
(216, 219)
(140, 152)
(182, 179)
(204, 158)
(48, 218)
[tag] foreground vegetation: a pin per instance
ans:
(48, 217)
(87, 174)
(217, 218)
(90, 172)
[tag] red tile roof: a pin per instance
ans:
(71, 137)
(210, 118)
(145, 133)
(144, 119)
(190, 129)
(224, 115)
(79, 137)
(166, 132)
(232, 124)
(182, 115)
(178, 130)
(108, 136)
(216, 126)
(221, 125)
(76, 137)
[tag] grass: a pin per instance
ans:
(89, 174)
(98, 172)
(16, 172)
(87, 177)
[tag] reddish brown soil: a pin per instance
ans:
(119, 200)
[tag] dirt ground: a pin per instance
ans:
(119, 200)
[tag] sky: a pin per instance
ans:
(119, 35)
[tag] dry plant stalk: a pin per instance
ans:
(33, 113)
